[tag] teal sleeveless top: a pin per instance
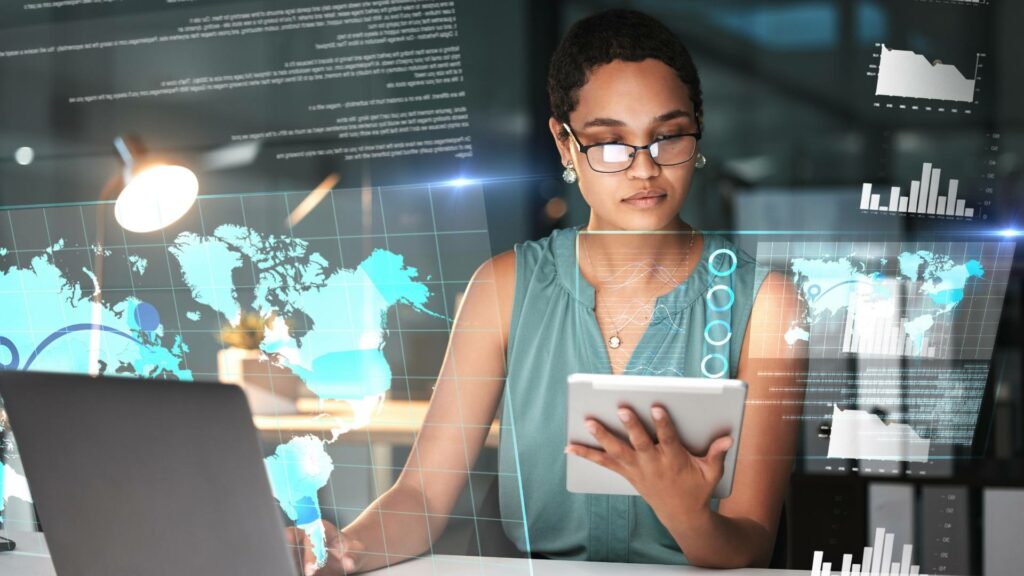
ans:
(553, 334)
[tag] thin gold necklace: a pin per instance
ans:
(615, 341)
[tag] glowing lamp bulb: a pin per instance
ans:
(156, 198)
(24, 155)
(1010, 233)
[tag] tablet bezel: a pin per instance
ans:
(702, 409)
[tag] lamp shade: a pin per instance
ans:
(155, 198)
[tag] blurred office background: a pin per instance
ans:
(793, 130)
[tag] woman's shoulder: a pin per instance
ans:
(721, 246)
(767, 290)
(496, 280)
(502, 268)
(498, 270)
(725, 261)
(546, 247)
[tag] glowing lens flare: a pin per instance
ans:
(156, 198)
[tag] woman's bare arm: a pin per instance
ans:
(679, 485)
(746, 521)
(409, 517)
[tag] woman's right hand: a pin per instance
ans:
(343, 552)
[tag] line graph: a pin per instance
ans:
(906, 74)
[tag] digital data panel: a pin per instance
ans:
(348, 306)
(935, 299)
(258, 95)
(899, 338)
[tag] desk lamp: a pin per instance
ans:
(155, 194)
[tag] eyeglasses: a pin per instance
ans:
(616, 157)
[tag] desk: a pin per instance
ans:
(398, 421)
(483, 566)
(31, 559)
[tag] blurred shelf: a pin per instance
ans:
(396, 421)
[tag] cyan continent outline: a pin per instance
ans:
(338, 352)
(828, 285)
(49, 324)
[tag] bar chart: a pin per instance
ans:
(927, 300)
(877, 560)
(893, 337)
(923, 197)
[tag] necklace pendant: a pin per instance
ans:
(614, 342)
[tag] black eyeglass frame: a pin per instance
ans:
(583, 150)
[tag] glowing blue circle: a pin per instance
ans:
(704, 366)
(146, 316)
(716, 288)
(813, 291)
(723, 341)
(13, 363)
(711, 262)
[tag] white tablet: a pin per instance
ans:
(702, 409)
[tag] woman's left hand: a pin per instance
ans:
(661, 469)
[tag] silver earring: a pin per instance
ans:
(569, 175)
(701, 161)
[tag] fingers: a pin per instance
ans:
(668, 436)
(599, 457)
(342, 557)
(348, 563)
(719, 447)
(613, 445)
(638, 435)
(714, 461)
(342, 551)
(347, 547)
(309, 563)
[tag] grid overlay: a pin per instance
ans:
(966, 331)
(625, 311)
(439, 230)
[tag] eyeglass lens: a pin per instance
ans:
(616, 157)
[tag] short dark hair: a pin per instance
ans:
(610, 35)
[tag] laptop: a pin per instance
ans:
(130, 477)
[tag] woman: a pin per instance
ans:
(600, 301)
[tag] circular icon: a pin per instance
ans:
(704, 366)
(813, 291)
(711, 262)
(146, 316)
(711, 302)
(13, 350)
(724, 340)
